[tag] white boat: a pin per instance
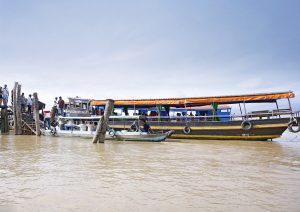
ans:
(126, 135)
(123, 135)
(87, 129)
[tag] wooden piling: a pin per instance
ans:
(4, 121)
(36, 114)
(14, 96)
(18, 110)
(52, 116)
(103, 122)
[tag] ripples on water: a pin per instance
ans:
(68, 174)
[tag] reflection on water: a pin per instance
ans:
(63, 174)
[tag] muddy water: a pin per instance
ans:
(65, 174)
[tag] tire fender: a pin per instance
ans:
(246, 125)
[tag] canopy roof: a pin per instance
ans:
(199, 101)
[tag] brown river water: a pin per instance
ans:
(72, 174)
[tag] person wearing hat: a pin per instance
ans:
(145, 126)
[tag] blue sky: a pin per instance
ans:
(150, 49)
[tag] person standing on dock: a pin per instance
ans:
(29, 104)
(61, 106)
(5, 95)
(23, 102)
(1, 95)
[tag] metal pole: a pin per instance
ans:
(277, 108)
(290, 106)
(241, 110)
(245, 110)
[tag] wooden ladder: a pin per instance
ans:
(28, 128)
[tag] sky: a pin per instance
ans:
(151, 48)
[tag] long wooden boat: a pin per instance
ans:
(254, 125)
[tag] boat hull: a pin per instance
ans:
(265, 129)
(124, 136)
(136, 136)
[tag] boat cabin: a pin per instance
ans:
(77, 106)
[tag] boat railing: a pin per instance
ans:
(224, 118)
(125, 120)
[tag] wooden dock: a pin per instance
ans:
(22, 123)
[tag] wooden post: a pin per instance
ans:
(18, 110)
(36, 114)
(241, 111)
(52, 116)
(4, 121)
(103, 122)
(14, 96)
(277, 108)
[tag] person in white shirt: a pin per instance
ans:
(29, 104)
(56, 105)
(47, 119)
(5, 95)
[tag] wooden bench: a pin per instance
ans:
(260, 114)
(281, 112)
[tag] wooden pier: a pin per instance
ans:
(23, 123)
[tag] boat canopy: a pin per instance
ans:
(199, 101)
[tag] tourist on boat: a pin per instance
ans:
(70, 125)
(93, 110)
(29, 104)
(23, 102)
(192, 116)
(97, 112)
(61, 106)
(178, 116)
(83, 126)
(5, 94)
(90, 126)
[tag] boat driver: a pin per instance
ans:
(146, 127)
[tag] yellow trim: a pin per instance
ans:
(260, 126)
(224, 137)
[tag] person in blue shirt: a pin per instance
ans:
(146, 126)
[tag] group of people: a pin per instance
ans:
(26, 103)
(4, 94)
(59, 106)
